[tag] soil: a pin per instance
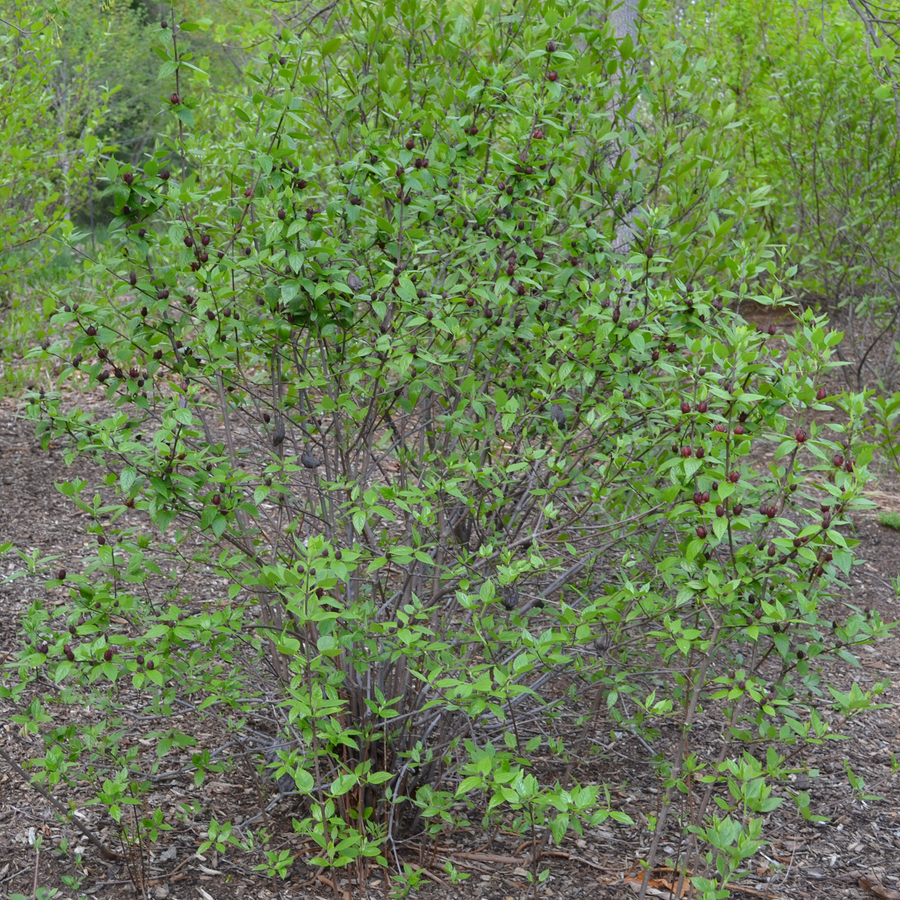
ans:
(855, 853)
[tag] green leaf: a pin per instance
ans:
(331, 45)
(467, 785)
(127, 478)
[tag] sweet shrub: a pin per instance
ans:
(441, 474)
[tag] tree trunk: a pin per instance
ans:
(623, 18)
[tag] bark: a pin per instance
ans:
(624, 20)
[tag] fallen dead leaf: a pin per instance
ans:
(878, 889)
(651, 891)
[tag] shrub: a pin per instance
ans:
(49, 119)
(820, 130)
(470, 481)
(47, 137)
(890, 519)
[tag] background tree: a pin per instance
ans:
(44, 158)
(818, 133)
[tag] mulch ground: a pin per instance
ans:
(856, 853)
